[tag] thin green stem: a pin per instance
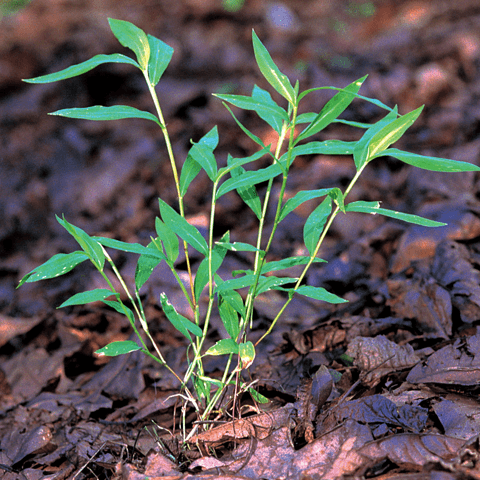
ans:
(312, 257)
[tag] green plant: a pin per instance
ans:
(174, 232)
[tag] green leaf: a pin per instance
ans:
(146, 264)
(248, 194)
(287, 263)
(270, 71)
(229, 317)
(160, 56)
(374, 208)
(245, 129)
(204, 156)
(132, 37)
(223, 347)
(169, 240)
(272, 282)
(249, 178)
(435, 164)
(76, 70)
(128, 247)
(190, 167)
(327, 147)
(87, 297)
(182, 324)
(392, 132)
(262, 103)
(332, 109)
(54, 267)
(303, 196)
(235, 283)
(238, 246)
(319, 293)
(246, 352)
(202, 275)
(233, 163)
(361, 153)
(101, 113)
(314, 225)
(233, 298)
(88, 244)
(182, 228)
(258, 397)
(120, 308)
(118, 348)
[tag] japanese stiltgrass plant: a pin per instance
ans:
(174, 232)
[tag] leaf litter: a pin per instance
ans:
(406, 401)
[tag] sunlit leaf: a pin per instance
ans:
(332, 109)
(223, 347)
(303, 196)
(287, 263)
(182, 228)
(270, 71)
(76, 70)
(132, 37)
(101, 113)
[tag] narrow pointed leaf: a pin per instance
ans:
(229, 318)
(132, 37)
(238, 247)
(392, 132)
(128, 247)
(303, 196)
(101, 113)
(146, 264)
(361, 153)
(314, 225)
(271, 283)
(182, 228)
(87, 297)
(327, 147)
(79, 69)
(332, 109)
(287, 263)
(160, 56)
(54, 267)
(87, 243)
(319, 293)
(245, 129)
(233, 298)
(249, 178)
(374, 208)
(270, 71)
(190, 167)
(118, 348)
(233, 163)
(202, 275)
(235, 283)
(204, 156)
(169, 240)
(182, 324)
(435, 164)
(223, 347)
(120, 308)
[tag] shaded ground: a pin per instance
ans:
(414, 294)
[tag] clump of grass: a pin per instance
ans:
(174, 232)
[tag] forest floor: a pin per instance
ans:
(408, 406)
